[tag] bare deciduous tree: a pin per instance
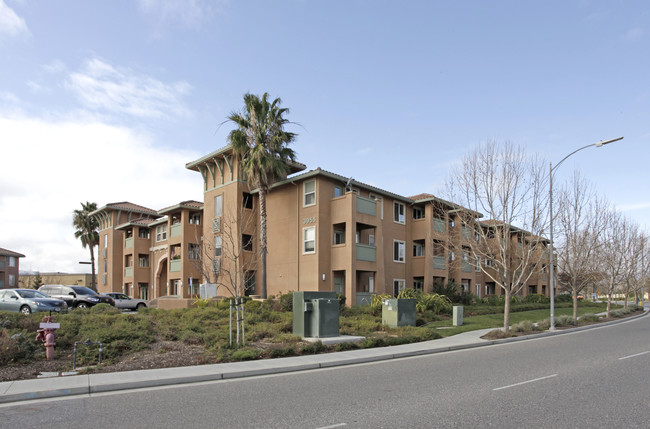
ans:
(580, 225)
(509, 187)
(615, 239)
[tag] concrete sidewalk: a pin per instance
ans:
(22, 390)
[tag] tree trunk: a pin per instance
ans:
(263, 242)
(93, 279)
(575, 305)
(609, 303)
(506, 312)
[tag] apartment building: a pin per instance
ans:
(9, 268)
(325, 232)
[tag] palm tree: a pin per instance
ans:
(87, 230)
(261, 143)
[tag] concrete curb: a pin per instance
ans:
(25, 390)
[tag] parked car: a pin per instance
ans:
(126, 302)
(28, 301)
(76, 296)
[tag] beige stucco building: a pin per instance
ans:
(326, 232)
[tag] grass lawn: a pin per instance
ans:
(496, 320)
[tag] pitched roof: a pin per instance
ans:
(194, 165)
(6, 252)
(127, 206)
(189, 204)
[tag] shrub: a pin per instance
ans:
(589, 317)
(245, 354)
(634, 308)
(536, 298)
(282, 352)
(312, 348)
(525, 326)
(439, 304)
(377, 301)
(341, 299)
(19, 347)
(341, 347)
(564, 297)
(565, 320)
(616, 313)
(286, 301)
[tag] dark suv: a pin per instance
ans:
(76, 296)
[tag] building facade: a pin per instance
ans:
(9, 268)
(325, 232)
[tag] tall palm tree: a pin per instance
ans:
(87, 230)
(262, 145)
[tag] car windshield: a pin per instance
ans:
(80, 290)
(24, 293)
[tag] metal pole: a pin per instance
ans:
(551, 262)
(230, 323)
(243, 331)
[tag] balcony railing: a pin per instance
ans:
(366, 206)
(128, 271)
(439, 262)
(438, 225)
(366, 252)
(128, 243)
(175, 265)
(466, 266)
(175, 230)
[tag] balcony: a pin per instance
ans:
(439, 262)
(175, 265)
(366, 252)
(438, 225)
(466, 266)
(128, 243)
(128, 271)
(366, 206)
(175, 230)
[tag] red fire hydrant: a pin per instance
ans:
(46, 335)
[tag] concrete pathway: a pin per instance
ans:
(22, 390)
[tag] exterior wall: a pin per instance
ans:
(27, 280)
(9, 271)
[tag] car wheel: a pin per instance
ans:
(82, 305)
(139, 306)
(25, 310)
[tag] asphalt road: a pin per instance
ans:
(587, 379)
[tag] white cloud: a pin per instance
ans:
(633, 34)
(51, 167)
(189, 14)
(56, 66)
(102, 87)
(10, 23)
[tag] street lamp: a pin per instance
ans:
(550, 179)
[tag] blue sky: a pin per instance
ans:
(107, 101)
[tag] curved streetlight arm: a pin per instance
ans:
(599, 144)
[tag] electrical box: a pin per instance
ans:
(398, 312)
(315, 314)
(208, 290)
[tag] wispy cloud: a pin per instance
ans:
(10, 23)
(632, 207)
(189, 14)
(633, 34)
(107, 89)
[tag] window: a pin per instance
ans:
(195, 219)
(193, 251)
(489, 262)
(144, 233)
(143, 261)
(398, 286)
(309, 190)
(452, 256)
(418, 283)
(338, 191)
(105, 265)
(339, 237)
(12, 261)
(105, 241)
(217, 246)
(418, 248)
(12, 280)
(249, 283)
(398, 215)
(161, 233)
(247, 242)
(452, 222)
(309, 240)
(418, 213)
(477, 268)
(398, 251)
(247, 200)
(218, 206)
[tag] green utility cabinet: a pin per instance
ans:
(315, 314)
(398, 312)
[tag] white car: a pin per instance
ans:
(126, 302)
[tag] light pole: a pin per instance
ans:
(550, 192)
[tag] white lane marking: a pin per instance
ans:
(631, 356)
(333, 426)
(525, 382)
